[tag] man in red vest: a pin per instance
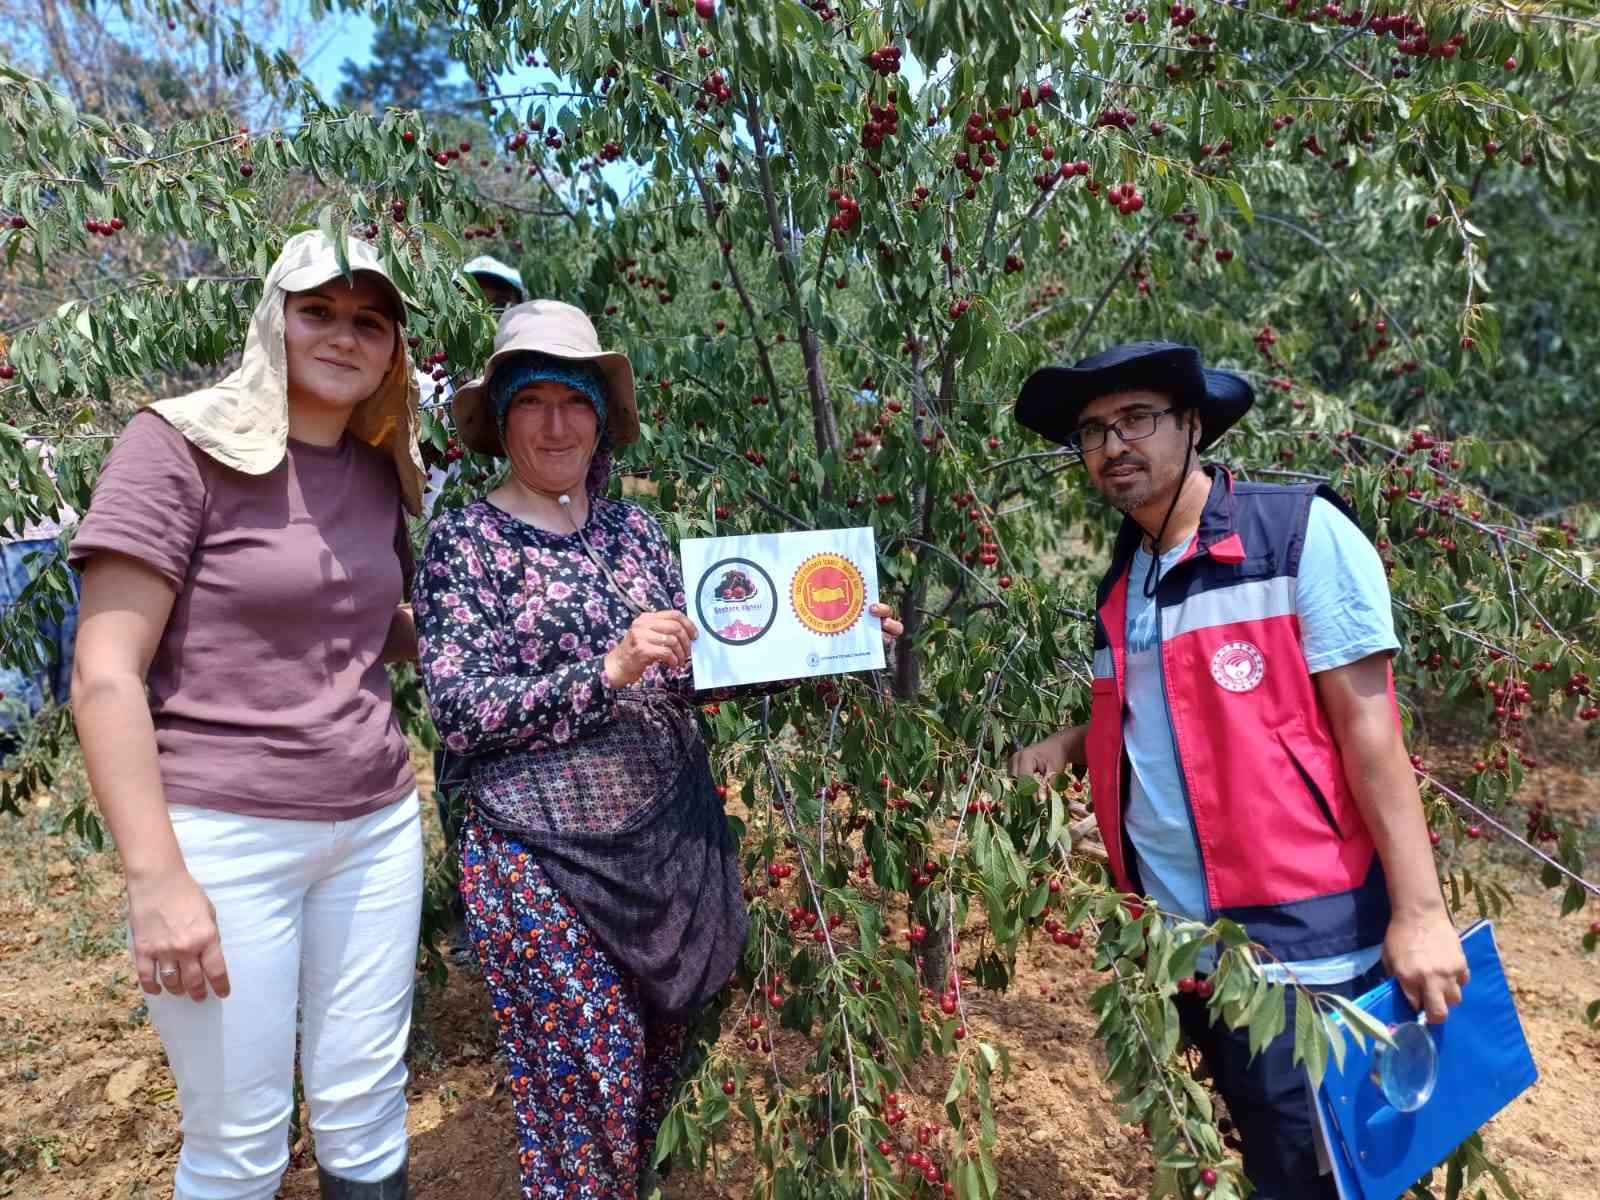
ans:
(1243, 745)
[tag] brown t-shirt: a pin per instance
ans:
(268, 690)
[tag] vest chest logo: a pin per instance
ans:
(1238, 666)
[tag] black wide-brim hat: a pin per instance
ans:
(1052, 397)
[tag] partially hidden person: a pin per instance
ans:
(25, 694)
(501, 286)
(600, 882)
(1244, 747)
(245, 563)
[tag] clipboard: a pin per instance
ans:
(1376, 1152)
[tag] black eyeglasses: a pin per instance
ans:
(1132, 428)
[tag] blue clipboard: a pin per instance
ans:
(1377, 1152)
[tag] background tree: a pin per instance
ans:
(406, 68)
(834, 240)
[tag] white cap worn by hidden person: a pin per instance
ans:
(243, 421)
(487, 264)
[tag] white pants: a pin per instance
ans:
(316, 915)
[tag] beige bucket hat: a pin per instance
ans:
(561, 331)
(243, 421)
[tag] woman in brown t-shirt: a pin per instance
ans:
(245, 561)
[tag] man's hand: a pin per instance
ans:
(1042, 758)
(1050, 756)
(1424, 955)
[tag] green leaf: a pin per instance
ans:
(1241, 201)
(1310, 1040)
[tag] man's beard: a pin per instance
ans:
(1139, 488)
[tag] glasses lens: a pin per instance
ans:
(1090, 437)
(1137, 425)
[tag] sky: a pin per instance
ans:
(350, 37)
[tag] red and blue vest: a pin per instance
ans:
(1283, 848)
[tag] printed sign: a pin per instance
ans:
(782, 605)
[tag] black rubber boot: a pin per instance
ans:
(392, 1188)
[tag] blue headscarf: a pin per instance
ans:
(528, 367)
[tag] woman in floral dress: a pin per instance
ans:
(553, 642)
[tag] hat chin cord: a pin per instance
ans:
(1152, 576)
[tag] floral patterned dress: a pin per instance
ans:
(513, 627)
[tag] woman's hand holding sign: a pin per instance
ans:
(892, 628)
(654, 637)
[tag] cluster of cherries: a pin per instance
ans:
(1044, 180)
(885, 60)
(979, 129)
(1115, 117)
(103, 228)
(1126, 197)
(847, 211)
(1070, 938)
(923, 876)
(883, 121)
(804, 920)
(1541, 825)
(449, 154)
(714, 88)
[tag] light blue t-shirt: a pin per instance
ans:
(1342, 598)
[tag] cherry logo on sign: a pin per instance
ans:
(1238, 666)
(735, 585)
(736, 601)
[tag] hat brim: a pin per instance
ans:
(475, 423)
(304, 279)
(510, 281)
(1052, 398)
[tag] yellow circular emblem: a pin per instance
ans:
(827, 593)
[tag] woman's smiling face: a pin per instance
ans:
(552, 431)
(339, 340)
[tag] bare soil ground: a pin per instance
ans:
(89, 1110)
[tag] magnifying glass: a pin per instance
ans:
(1407, 1070)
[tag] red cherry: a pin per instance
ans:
(1004, 581)
(7, 372)
(1208, 1177)
(1186, 985)
(705, 9)
(960, 1033)
(1202, 988)
(247, 169)
(1474, 831)
(729, 1087)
